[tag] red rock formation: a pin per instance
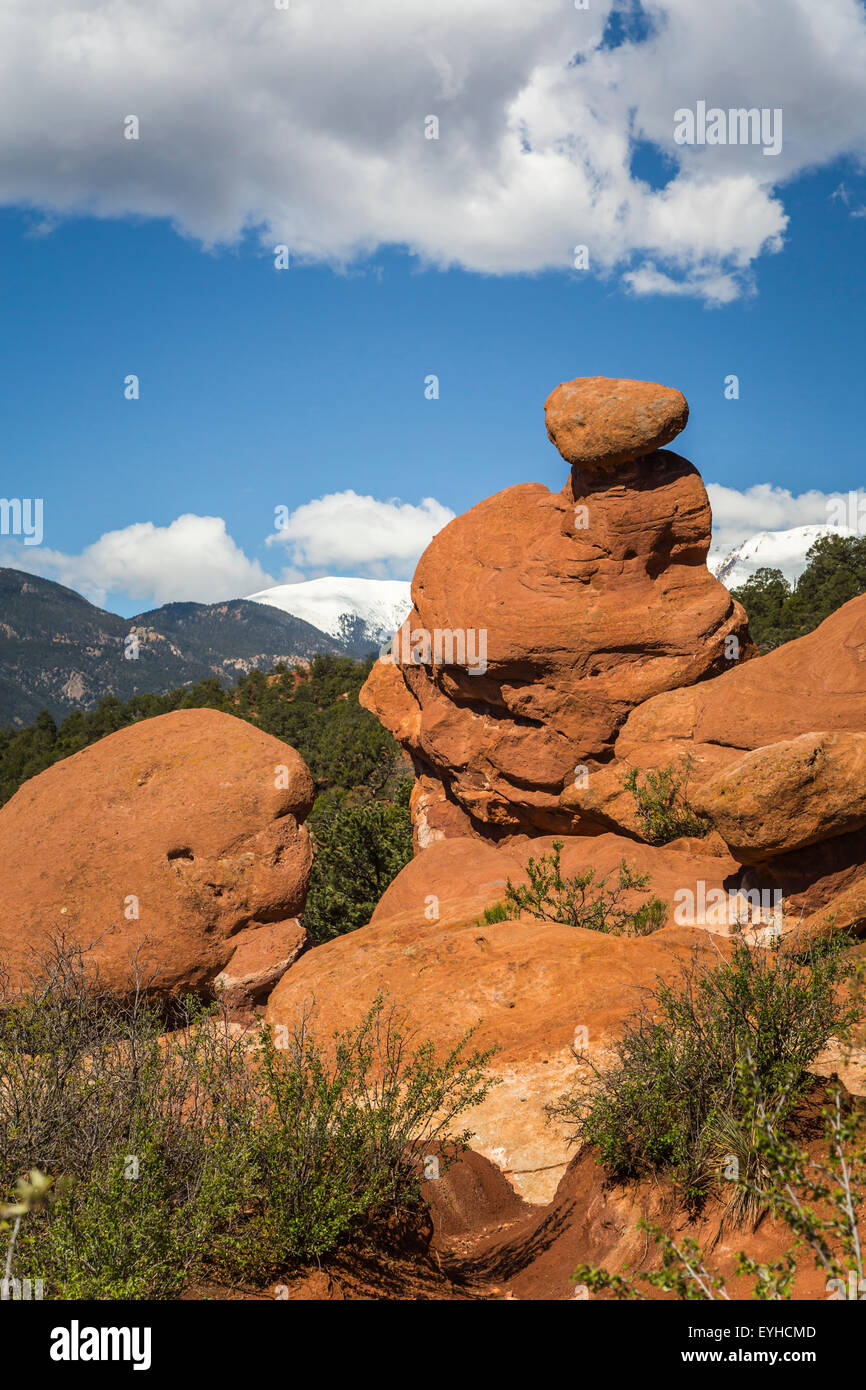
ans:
(788, 795)
(599, 422)
(608, 646)
(590, 601)
(776, 749)
(528, 984)
(176, 842)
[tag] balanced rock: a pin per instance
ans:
(600, 422)
(540, 621)
(166, 847)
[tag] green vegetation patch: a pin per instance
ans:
(157, 1160)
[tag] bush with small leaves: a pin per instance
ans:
(581, 901)
(198, 1152)
(671, 1098)
(497, 912)
(341, 1131)
(818, 1197)
(662, 806)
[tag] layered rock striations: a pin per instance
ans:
(597, 642)
(589, 602)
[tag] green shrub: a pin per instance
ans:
(819, 1198)
(113, 1236)
(673, 1090)
(359, 849)
(340, 1132)
(580, 901)
(497, 912)
(662, 806)
(200, 1153)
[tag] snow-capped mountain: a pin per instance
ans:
(362, 613)
(779, 550)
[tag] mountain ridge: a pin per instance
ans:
(359, 612)
(782, 550)
(59, 651)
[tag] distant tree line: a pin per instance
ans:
(779, 611)
(314, 710)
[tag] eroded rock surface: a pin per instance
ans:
(573, 609)
(166, 845)
(527, 984)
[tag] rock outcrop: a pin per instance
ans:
(175, 846)
(814, 684)
(542, 620)
(788, 795)
(557, 641)
(528, 984)
(777, 764)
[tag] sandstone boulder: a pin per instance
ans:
(455, 874)
(788, 795)
(529, 986)
(599, 422)
(821, 888)
(817, 682)
(171, 843)
(261, 956)
(785, 797)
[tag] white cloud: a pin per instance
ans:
(307, 125)
(716, 289)
(346, 531)
(193, 559)
(739, 515)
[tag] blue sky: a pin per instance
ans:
(262, 388)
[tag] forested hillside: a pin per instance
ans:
(314, 709)
(61, 653)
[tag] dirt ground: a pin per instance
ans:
(478, 1240)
